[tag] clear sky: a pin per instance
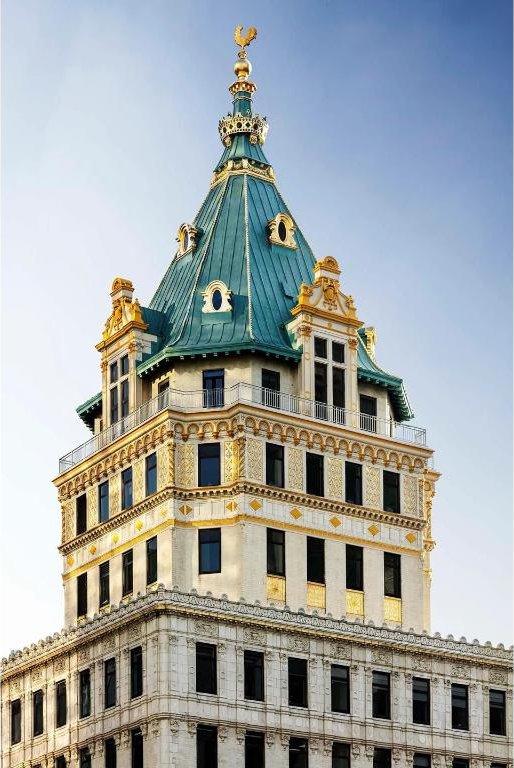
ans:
(390, 133)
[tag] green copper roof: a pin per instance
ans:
(368, 371)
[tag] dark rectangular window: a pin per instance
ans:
(420, 700)
(338, 387)
(320, 390)
(391, 491)
(84, 757)
(60, 704)
(110, 683)
(254, 749)
(209, 550)
(314, 467)
(297, 679)
(275, 465)
(276, 546)
(340, 688)
(320, 347)
(114, 372)
(392, 575)
(354, 568)
(114, 405)
(460, 762)
(124, 398)
(151, 560)
(460, 715)
(254, 675)
(206, 677)
(209, 464)
(368, 410)
(298, 752)
(60, 762)
(340, 755)
(81, 506)
(337, 352)
(37, 713)
(315, 560)
(151, 474)
(271, 388)
(81, 595)
(381, 758)
(84, 693)
(206, 746)
(110, 753)
(381, 695)
(15, 721)
(137, 748)
(213, 388)
(104, 584)
(136, 672)
(421, 760)
(127, 572)
(103, 502)
(353, 482)
(126, 488)
(124, 365)
(164, 393)
(497, 719)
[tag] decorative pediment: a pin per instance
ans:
(126, 312)
(324, 296)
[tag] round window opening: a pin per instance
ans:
(216, 299)
(282, 231)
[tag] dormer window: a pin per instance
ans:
(281, 230)
(216, 298)
(186, 238)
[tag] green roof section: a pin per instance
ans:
(368, 371)
(90, 409)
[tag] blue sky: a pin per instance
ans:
(390, 134)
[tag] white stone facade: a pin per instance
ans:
(168, 624)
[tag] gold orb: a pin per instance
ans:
(242, 69)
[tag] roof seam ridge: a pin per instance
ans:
(247, 256)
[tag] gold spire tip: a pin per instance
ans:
(242, 67)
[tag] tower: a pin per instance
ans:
(246, 536)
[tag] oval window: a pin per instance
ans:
(216, 299)
(185, 240)
(282, 231)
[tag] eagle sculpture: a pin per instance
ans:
(244, 40)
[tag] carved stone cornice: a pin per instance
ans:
(174, 602)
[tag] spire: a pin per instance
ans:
(242, 122)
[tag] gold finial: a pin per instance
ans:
(242, 67)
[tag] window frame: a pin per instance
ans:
(152, 563)
(127, 494)
(315, 458)
(84, 693)
(203, 541)
(342, 760)
(110, 682)
(103, 502)
(15, 717)
(81, 514)
(215, 449)
(254, 749)
(353, 482)
(61, 704)
(392, 575)
(350, 581)
(343, 682)
(501, 709)
(296, 680)
(315, 560)
(206, 665)
(393, 508)
(206, 744)
(38, 721)
(151, 474)
(459, 688)
(82, 595)
(275, 465)
(421, 682)
(271, 567)
(127, 572)
(104, 589)
(381, 694)
(213, 396)
(253, 665)
(136, 672)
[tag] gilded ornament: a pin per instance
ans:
(374, 529)
(254, 459)
(276, 588)
(354, 602)
(335, 478)
(393, 609)
(316, 595)
(295, 469)
(295, 513)
(255, 504)
(372, 486)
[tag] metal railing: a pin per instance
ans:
(242, 393)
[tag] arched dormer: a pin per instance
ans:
(281, 230)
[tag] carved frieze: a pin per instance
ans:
(185, 470)
(295, 469)
(138, 469)
(92, 507)
(231, 456)
(410, 496)
(335, 478)
(67, 521)
(114, 494)
(372, 475)
(254, 459)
